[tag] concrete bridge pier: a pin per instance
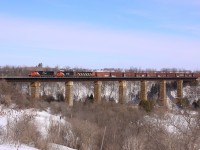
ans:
(35, 90)
(97, 91)
(143, 90)
(69, 93)
(122, 92)
(179, 90)
(163, 97)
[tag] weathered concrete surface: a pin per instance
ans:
(69, 93)
(179, 90)
(122, 92)
(163, 96)
(143, 90)
(97, 91)
(35, 90)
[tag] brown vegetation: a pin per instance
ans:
(108, 125)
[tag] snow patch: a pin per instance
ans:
(16, 147)
(53, 146)
(43, 120)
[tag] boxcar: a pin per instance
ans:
(161, 74)
(151, 74)
(102, 74)
(116, 74)
(140, 74)
(171, 74)
(180, 74)
(196, 74)
(129, 74)
(188, 74)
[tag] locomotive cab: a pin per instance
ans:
(34, 74)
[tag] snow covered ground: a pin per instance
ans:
(42, 119)
(16, 147)
(25, 147)
(172, 121)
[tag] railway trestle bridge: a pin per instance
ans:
(35, 86)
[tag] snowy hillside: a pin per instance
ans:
(25, 147)
(16, 147)
(42, 119)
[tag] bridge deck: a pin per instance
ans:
(64, 79)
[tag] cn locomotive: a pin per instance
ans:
(60, 74)
(111, 74)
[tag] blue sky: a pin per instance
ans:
(101, 33)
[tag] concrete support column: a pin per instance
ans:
(97, 91)
(143, 90)
(69, 93)
(179, 90)
(35, 90)
(122, 92)
(163, 97)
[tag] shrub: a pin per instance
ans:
(60, 97)
(9, 94)
(60, 133)
(91, 98)
(183, 103)
(195, 104)
(48, 98)
(22, 129)
(198, 102)
(89, 122)
(147, 105)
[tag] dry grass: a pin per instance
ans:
(60, 133)
(22, 129)
(126, 127)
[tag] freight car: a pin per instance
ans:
(85, 74)
(112, 74)
(116, 74)
(129, 74)
(141, 74)
(102, 74)
(196, 74)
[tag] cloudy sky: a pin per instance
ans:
(101, 33)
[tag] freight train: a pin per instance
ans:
(111, 74)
